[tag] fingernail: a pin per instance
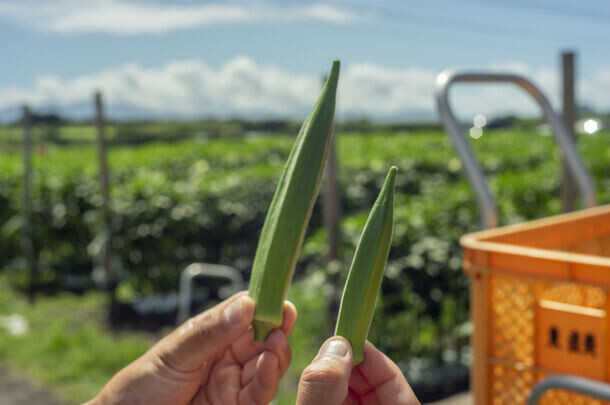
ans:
(335, 348)
(234, 312)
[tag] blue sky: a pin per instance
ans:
(263, 58)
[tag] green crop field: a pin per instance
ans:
(186, 200)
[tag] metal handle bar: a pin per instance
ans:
(581, 385)
(486, 201)
(195, 270)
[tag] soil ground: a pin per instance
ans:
(18, 390)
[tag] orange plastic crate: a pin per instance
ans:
(540, 305)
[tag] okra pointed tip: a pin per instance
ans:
(390, 178)
(333, 76)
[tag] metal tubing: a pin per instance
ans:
(486, 201)
(195, 270)
(581, 385)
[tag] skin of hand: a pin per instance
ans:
(331, 380)
(211, 359)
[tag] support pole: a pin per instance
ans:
(105, 192)
(331, 204)
(568, 186)
(330, 199)
(28, 230)
(331, 216)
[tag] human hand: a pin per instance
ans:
(331, 380)
(210, 360)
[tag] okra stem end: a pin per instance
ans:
(262, 329)
(358, 356)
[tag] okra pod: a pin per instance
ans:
(284, 228)
(365, 274)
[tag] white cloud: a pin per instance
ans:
(125, 17)
(370, 89)
(181, 88)
(244, 88)
(597, 89)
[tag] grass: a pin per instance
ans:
(67, 346)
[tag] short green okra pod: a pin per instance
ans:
(364, 278)
(289, 212)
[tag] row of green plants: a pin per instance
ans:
(54, 130)
(173, 204)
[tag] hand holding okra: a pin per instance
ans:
(211, 359)
(331, 380)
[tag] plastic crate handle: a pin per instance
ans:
(581, 385)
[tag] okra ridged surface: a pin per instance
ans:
(288, 215)
(365, 274)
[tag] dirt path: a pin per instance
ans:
(17, 390)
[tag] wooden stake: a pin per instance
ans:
(568, 185)
(331, 200)
(331, 203)
(331, 216)
(105, 191)
(28, 230)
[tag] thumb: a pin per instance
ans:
(325, 380)
(199, 338)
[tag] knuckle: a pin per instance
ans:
(323, 372)
(210, 323)
(285, 361)
(288, 353)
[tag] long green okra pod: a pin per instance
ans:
(364, 278)
(289, 212)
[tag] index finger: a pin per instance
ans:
(188, 347)
(379, 376)
(244, 348)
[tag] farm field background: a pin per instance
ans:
(184, 193)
